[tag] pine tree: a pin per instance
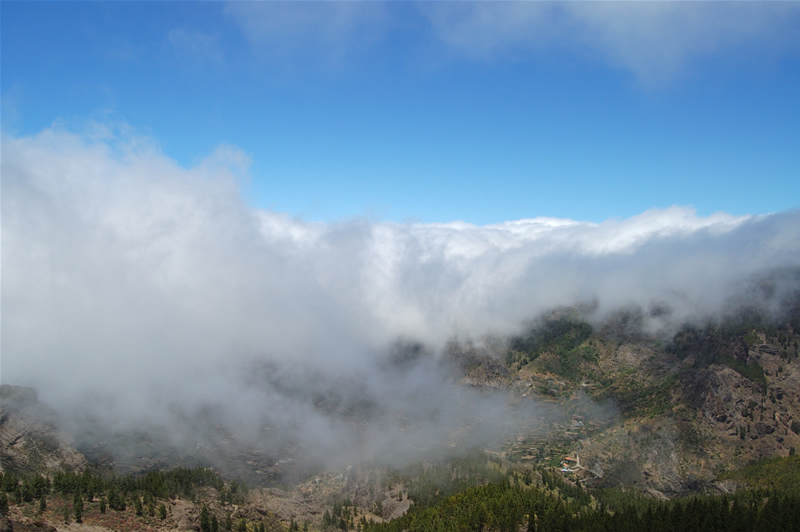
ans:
(137, 504)
(77, 506)
(39, 486)
(116, 501)
(42, 504)
(3, 503)
(162, 511)
(27, 492)
(205, 519)
(103, 505)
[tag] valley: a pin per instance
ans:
(659, 420)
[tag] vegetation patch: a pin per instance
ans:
(561, 340)
(554, 504)
(777, 473)
(752, 371)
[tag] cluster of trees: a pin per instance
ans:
(342, 516)
(179, 482)
(210, 523)
(144, 494)
(563, 337)
(431, 482)
(510, 505)
(499, 506)
(542, 500)
(775, 474)
(24, 488)
(749, 510)
(423, 483)
(115, 491)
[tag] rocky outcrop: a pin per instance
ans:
(30, 437)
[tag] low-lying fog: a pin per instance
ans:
(136, 291)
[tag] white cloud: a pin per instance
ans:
(323, 32)
(155, 284)
(655, 41)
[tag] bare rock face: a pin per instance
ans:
(30, 437)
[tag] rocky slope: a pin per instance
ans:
(711, 399)
(31, 439)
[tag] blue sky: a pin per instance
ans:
(434, 112)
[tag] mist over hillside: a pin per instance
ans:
(137, 293)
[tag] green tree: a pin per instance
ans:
(115, 500)
(77, 507)
(42, 504)
(137, 504)
(27, 492)
(103, 505)
(162, 511)
(3, 503)
(40, 486)
(205, 519)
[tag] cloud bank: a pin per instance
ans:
(151, 289)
